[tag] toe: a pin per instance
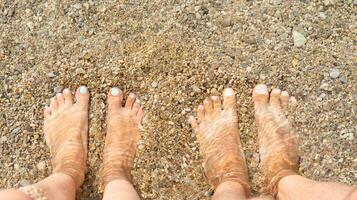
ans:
(47, 113)
(275, 98)
(284, 99)
(193, 122)
(293, 102)
(60, 100)
(130, 101)
(140, 115)
(200, 112)
(68, 99)
(260, 95)
(115, 99)
(217, 105)
(229, 99)
(135, 108)
(82, 97)
(208, 106)
(53, 105)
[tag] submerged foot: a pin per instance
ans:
(66, 129)
(218, 136)
(277, 139)
(122, 137)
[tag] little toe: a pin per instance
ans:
(82, 97)
(47, 113)
(115, 99)
(68, 99)
(217, 105)
(200, 112)
(53, 105)
(136, 107)
(130, 101)
(140, 115)
(60, 100)
(260, 96)
(208, 106)
(275, 98)
(193, 122)
(293, 103)
(284, 99)
(229, 99)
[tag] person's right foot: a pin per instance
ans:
(218, 136)
(277, 139)
(66, 129)
(122, 136)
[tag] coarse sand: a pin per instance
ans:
(173, 54)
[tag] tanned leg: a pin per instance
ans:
(65, 129)
(120, 146)
(216, 128)
(297, 187)
(279, 152)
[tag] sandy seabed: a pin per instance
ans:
(174, 54)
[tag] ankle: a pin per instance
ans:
(58, 186)
(230, 187)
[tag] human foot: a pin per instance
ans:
(66, 129)
(277, 139)
(122, 137)
(218, 136)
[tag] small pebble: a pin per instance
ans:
(51, 75)
(334, 73)
(57, 89)
(24, 182)
(154, 84)
(299, 39)
(343, 79)
(325, 86)
(227, 21)
(3, 139)
(15, 130)
(41, 165)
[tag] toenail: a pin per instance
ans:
(83, 89)
(132, 95)
(137, 101)
(285, 93)
(66, 91)
(276, 90)
(214, 98)
(228, 92)
(58, 94)
(115, 91)
(261, 89)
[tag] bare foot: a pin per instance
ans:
(277, 139)
(122, 137)
(66, 129)
(218, 136)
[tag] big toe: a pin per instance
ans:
(260, 95)
(115, 98)
(82, 97)
(229, 99)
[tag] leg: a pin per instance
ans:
(278, 151)
(120, 189)
(120, 146)
(298, 187)
(229, 191)
(65, 129)
(217, 132)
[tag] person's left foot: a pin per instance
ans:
(66, 129)
(218, 136)
(122, 137)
